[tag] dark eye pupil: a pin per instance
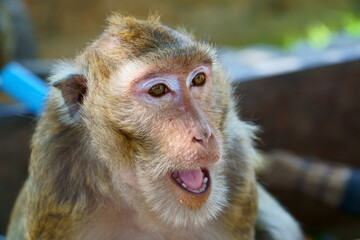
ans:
(157, 90)
(199, 79)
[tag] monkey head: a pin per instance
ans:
(153, 105)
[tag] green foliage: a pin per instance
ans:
(318, 35)
(352, 25)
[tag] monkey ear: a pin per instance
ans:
(73, 89)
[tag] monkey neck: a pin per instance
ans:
(111, 222)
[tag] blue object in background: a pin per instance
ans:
(351, 198)
(22, 85)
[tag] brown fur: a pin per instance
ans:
(95, 150)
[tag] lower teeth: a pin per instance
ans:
(202, 189)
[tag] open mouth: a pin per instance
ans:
(195, 181)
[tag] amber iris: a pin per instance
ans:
(157, 90)
(199, 79)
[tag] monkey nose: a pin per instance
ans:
(202, 138)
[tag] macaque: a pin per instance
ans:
(140, 140)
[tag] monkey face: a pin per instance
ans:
(172, 115)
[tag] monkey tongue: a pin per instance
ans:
(192, 178)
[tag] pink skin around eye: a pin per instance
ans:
(170, 82)
(173, 82)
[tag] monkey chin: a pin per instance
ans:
(191, 196)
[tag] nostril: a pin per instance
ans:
(202, 136)
(197, 139)
(200, 141)
(207, 135)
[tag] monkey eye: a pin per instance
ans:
(158, 90)
(199, 79)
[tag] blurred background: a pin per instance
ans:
(294, 64)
